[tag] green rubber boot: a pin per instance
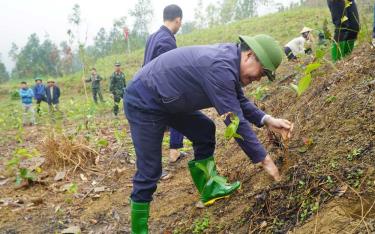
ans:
(341, 49)
(210, 185)
(139, 217)
(337, 50)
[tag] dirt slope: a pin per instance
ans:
(328, 184)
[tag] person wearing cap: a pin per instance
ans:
(158, 43)
(299, 45)
(95, 85)
(39, 90)
(173, 88)
(117, 85)
(53, 96)
(346, 20)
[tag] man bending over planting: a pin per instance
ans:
(172, 88)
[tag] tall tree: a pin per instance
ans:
(213, 15)
(100, 43)
(4, 76)
(200, 18)
(227, 11)
(116, 36)
(245, 9)
(142, 13)
(13, 52)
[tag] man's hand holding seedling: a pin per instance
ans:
(284, 128)
(281, 126)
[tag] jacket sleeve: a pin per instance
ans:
(22, 94)
(225, 97)
(88, 79)
(57, 92)
(31, 93)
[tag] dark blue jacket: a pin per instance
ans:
(39, 91)
(158, 43)
(198, 77)
(56, 95)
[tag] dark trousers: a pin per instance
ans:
(176, 139)
(147, 131)
(38, 101)
(95, 93)
(289, 54)
(348, 29)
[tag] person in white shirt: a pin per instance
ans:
(299, 45)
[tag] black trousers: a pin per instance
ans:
(346, 20)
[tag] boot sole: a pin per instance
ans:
(212, 201)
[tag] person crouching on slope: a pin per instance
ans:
(173, 88)
(299, 45)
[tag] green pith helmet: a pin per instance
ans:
(117, 64)
(38, 78)
(267, 51)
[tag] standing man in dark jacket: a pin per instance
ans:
(170, 91)
(95, 85)
(53, 96)
(117, 85)
(346, 21)
(158, 43)
(39, 90)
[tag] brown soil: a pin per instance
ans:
(324, 189)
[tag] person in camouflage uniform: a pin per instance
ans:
(116, 86)
(95, 85)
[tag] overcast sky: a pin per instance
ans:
(20, 18)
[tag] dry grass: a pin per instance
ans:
(63, 151)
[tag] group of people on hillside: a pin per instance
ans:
(41, 93)
(51, 93)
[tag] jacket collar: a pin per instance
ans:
(164, 28)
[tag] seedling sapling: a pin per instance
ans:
(231, 130)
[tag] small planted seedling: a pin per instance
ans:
(307, 144)
(231, 130)
(25, 174)
(71, 191)
(354, 154)
(102, 143)
(260, 93)
(305, 81)
(330, 99)
(200, 225)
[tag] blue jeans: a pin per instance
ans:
(147, 131)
